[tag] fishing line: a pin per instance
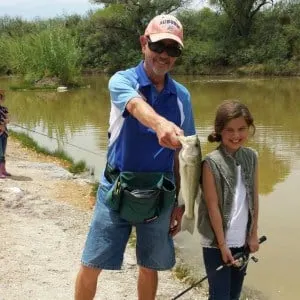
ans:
(43, 134)
(238, 256)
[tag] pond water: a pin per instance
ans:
(77, 121)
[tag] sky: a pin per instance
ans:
(30, 9)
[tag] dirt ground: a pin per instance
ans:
(44, 217)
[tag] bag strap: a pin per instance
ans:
(110, 173)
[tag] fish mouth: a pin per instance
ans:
(180, 139)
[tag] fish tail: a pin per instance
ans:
(188, 224)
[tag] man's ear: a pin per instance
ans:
(143, 40)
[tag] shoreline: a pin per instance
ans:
(230, 73)
(45, 214)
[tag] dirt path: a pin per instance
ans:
(44, 218)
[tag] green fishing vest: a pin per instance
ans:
(223, 167)
(140, 197)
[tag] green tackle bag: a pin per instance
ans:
(140, 197)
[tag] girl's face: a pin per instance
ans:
(235, 134)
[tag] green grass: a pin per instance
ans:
(95, 187)
(28, 142)
(77, 167)
(51, 53)
(184, 274)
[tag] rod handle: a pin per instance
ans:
(247, 250)
(262, 239)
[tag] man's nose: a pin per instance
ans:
(164, 54)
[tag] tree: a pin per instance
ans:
(241, 12)
(142, 11)
(114, 31)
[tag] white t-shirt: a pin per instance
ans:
(236, 231)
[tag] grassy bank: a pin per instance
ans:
(28, 142)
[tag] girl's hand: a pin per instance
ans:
(226, 255)
(253, 243)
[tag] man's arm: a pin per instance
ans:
(166, 131)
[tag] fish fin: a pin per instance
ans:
(188, 224)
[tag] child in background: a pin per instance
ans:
(3, 135)
(228, 210)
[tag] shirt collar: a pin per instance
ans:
(144, 80)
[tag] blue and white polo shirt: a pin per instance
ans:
(133, 146)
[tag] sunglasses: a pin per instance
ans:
(160, 47)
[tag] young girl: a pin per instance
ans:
(228, 210)
(3, 135)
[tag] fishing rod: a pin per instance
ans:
(242, 256)
(43, 134)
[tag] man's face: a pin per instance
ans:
(159, 56)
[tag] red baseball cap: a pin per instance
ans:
(165, 27)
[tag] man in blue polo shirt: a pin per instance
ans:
(149, 110)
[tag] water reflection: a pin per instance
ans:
(61, 114)
(275, 107)
(80, 117)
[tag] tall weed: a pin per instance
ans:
(52, 52)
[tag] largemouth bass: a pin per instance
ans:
(190, 170)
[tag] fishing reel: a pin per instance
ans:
(242, 259)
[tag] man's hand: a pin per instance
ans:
(175, 223)
(167, 133)
(165, 130)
